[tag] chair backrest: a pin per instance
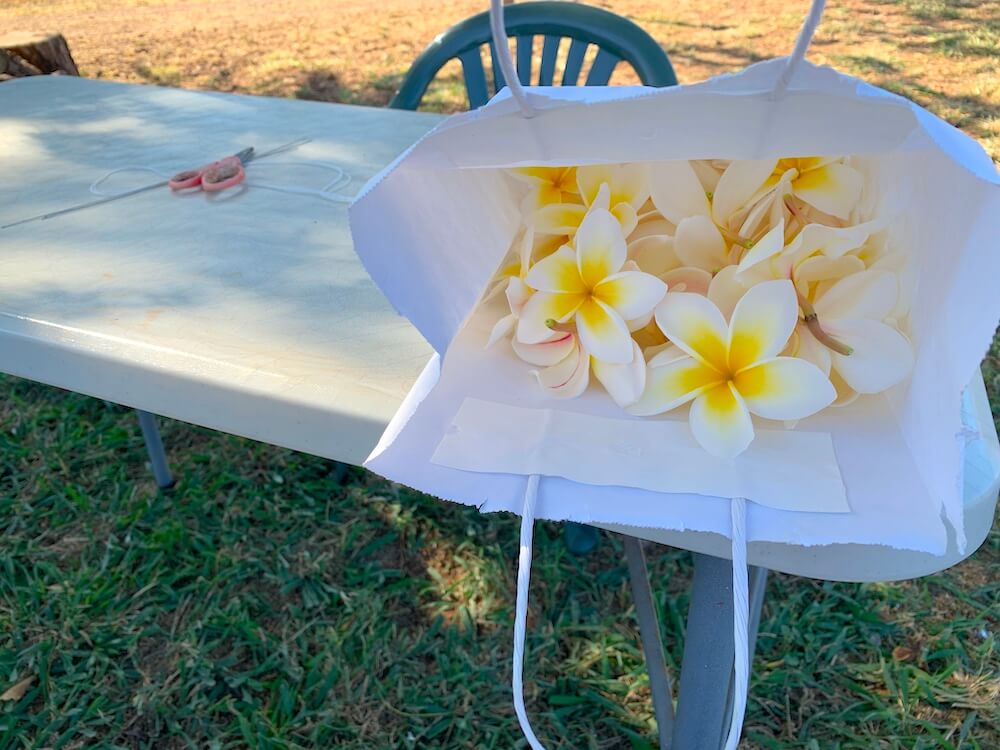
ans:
(617, 39)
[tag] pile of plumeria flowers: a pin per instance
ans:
(739, 287)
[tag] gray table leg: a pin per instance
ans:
(154, 446)
(707, 670)
(652, 645)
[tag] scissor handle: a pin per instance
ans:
(187, 179)
(223, 174)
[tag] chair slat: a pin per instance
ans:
(550, 50)
(525, 47)
(603, 67)
(475, 77)
(574, 61)
(498, 80)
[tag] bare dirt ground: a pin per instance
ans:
(944, 54)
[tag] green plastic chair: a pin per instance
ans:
(617, 40)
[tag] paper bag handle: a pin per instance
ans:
(501, 48)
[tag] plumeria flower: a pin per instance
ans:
(733, 370)
(754, 192)
(875, 356)
(621, 189)
(548, 185)
(567, 367)
(588, 286)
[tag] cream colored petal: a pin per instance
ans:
(503, 327)
(696, 325)
(518, 294)
(542, 310)
(765, 248)
(811, 350)
(708, 175)
(547, 353)
(785, 388)
(623, 382)
(832, 241)
(567, 379)
(630, 184)
(726, 290)
(868, 294)
(542, 246)
(658, 356)
(881, 356)
(631, 293)
(833, 189)
(821, 268)
(654, 254)
(603, 333)
(738, 184)
(673, 384)
(637, 324)
(627, 218)
(557, 273)
(699, 243)
(652, 226)
(762, 322)
(590, 178)
(600, 247)
(845, 394)
(720, 422)
(688, 279)
(677, 192)
(559, 218)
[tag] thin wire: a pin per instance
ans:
(741, 617)
(501, 48)
(799, 51)
(521, 609)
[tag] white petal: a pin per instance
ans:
(785, 388)
(720, 422)
(811, 350)
(631, 293)
(664, 355)
(726, 290)
(869, 294)
(832, 241)
(654, 254)
(696, 325)
(652, 226)
(557, 273)
(762, 323)
(766, 247)
(623, 382)
(882, 356)
(699, 243)
(547, 353)
(603, 333)
(518, 294)
(738, 184)
(545, 307)
(502, 328)
(677, 192)
(833, 189)
(600, 247)
(569, 378)
(687, 279)
(673, 384)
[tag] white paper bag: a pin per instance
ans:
(434, 226)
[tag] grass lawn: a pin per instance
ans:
(267, 603)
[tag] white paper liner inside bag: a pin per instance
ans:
(890, 507)
(911, 469)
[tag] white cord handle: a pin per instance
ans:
(798, 54)
(741, 617)
(501, 48)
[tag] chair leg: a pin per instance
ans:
(707, 671)
(652, 644)
(154, 446)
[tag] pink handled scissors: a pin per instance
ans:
(216, 176)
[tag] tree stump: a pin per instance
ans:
(28, 54)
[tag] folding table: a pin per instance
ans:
(250, 313)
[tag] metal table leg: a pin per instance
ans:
(652, 645)
(707, 671)
(154, 446)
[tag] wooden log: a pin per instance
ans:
(27, 53)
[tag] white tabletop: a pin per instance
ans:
(252, 314)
